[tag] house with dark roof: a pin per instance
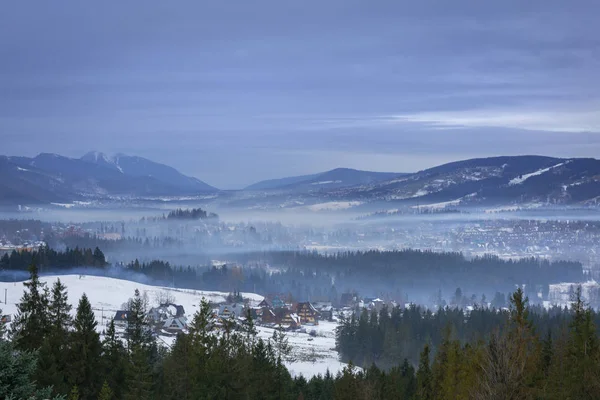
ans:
(121, 318)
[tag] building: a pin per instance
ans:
(121, 318)
(231, 311)
(168, 317)
(307, 313)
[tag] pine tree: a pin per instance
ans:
(53, 358)
(85, 351)
(106, 393)
(139, 375)
(114, 359)
(16, 374)
(30, 325)
(138, 332)
(584, 350)
(424, 377)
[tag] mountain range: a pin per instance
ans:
(53, 178)
(49, 178)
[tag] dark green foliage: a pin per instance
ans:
(30, 326)
(113, 361)
(53, 355)
(424, 377)
(85, 352)
(106, 393)
(16, 375)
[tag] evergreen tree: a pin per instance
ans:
(16, 374)
(138, 332)
(30, 325)
(106, 393)
(86, 352)
(424, 377)
(114, 360)
(53, 355)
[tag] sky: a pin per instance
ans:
(233, 92)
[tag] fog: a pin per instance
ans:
(248, 239)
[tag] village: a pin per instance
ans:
(277, 311)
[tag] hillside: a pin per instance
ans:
(336, 178)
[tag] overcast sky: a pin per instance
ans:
(237, 91)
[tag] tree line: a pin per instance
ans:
(385, 336)
(191, 214)
(47, 257)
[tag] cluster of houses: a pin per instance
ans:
(273, 311)
(165, 319)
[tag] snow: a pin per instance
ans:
(523, 178)
(311, 357)
(107, 295)
(445, 204)
(65, 205)
(334, 205)
(420, 192)
(325, 182)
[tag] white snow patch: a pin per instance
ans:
(325, 182)
(420, 192)
(523, 178)
(334, 205)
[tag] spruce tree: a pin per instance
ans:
(30, 325)
(86, 352)
(424, 377)
(53, 355)
(105, 393)
(114, 360)
(16, 374)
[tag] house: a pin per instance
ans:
(267, 315)
(307, 313)
(121, 318)
(168, 317)
(174, 325)
(231, 311)
(5, 319)
(274, 301)
(165, 311)
(265, 303)
(287, 319)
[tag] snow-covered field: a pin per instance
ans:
(107, 295)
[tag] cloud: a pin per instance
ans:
(200, 82)
(542, 120)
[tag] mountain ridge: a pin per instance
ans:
(50, 177)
